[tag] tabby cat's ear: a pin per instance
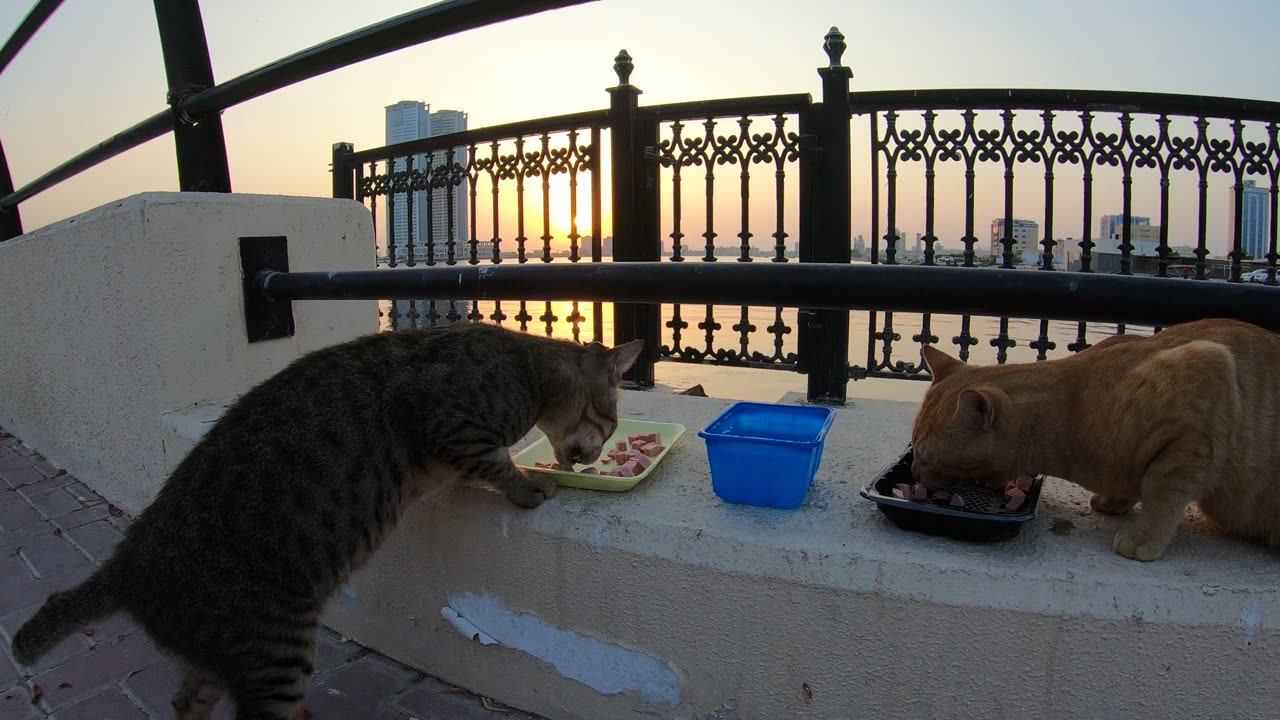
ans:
(623, 357)
(977, 409)
(940, 364)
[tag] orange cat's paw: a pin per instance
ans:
(1136, 546)
(1111, 505)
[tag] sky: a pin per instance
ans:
(96, 68)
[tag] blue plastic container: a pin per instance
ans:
(766, 454)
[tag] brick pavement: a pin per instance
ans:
(54, 530)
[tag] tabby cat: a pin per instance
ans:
(306, 474)
(1188, 415)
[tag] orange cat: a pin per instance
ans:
(1191, 414)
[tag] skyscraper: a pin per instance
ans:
(444, 122)
(413, 120)
(406, 120)
(1111, 225)
(1255, 226)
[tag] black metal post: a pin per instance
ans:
(635, 211)
(10, 219)
(343, 172)
(826, 199)
(202, 150)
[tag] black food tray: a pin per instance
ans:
(982, 519)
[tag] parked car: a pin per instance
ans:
(1257, 276)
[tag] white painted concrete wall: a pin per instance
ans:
(116, 318)
(599, 606)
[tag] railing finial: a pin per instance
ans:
(834, 45)
(623, 66)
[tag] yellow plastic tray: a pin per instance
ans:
(541, 451)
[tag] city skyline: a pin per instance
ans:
(280, 144)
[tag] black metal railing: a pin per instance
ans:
(676, 168)
(195, 102)
(1080, 135)
(811, 297)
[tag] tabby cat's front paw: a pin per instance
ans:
(1135, 545)
(531, 492)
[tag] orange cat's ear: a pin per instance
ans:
(976, 408)
(940, 364)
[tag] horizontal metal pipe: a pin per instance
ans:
(975, 291)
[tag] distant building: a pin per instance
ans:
(1144, 256)
(445, 122)
(405, 121)
(1255, 226)
(1026, 238)
(434, 218)
(1110, 225)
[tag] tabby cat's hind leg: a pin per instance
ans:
(272, 674)
(271, 694)
(197, 693)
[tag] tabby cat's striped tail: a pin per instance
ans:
(63, 613)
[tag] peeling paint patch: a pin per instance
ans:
(1251, 618)
(604, 667)
(465, 627)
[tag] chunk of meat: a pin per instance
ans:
(1023, 483)
(919, 492)
(898, 493)
(621, 446)
(653, 449)
(1015, 499)
(957, 501)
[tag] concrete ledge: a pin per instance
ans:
(133, 310)
(666, 602)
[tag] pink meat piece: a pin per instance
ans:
(624, 471)
(1023, 483)
(956, 501)
(919, 492)
(621, 446)
(1015, 500)
(899, 494)
(643, 461)
(653, 449)
(544, 465)
(633, 466)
